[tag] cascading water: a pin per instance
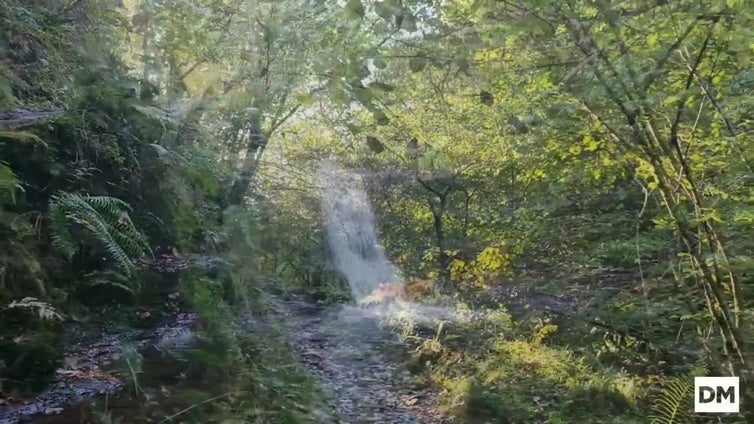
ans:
(355, 251)
(351, 232)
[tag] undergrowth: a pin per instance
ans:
(233, 373)
(490, 368)
(93, 197)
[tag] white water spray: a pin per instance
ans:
(351, 231)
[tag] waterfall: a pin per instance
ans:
(351, 232)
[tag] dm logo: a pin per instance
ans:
(716, 395)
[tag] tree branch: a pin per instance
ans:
(278, 122)
(661, 63)
(674, 139)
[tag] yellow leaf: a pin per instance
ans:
(457, 265)
(590, 144)
(653, 40)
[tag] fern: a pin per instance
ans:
(153, 113)
(196, 165)
(62, 240)
(112, 279)
(22, 137)
(674, 403)
(8, 182)
(41, 309)
(105, 218)
(167, 156)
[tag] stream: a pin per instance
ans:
(345, 347)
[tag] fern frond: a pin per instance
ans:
(153, 113)
(675, 402)
(111, 205)
(113, 279)
(22, 137)
(105, 218)
(168, 156)
(8, 182)
(41, 309)
(62, 240)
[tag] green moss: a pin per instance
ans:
(7, 100)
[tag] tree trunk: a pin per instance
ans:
(254, 147)
(443, 262)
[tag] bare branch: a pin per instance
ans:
(674, 139)
(280, 121)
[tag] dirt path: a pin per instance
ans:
(343, 347)
(355, 361)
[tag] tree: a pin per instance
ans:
(656, 82)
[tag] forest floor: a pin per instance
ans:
(89, 369)
(358, 363)
(360, 366)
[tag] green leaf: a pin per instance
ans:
(363, 95)
(462, 63)
(375, 144)
(653, 39)
(417, 63)
(387, 10)
(105, 218)
(355, 10)
(409, 22)
(379, 117)
(486, 98)
(8, 182)
(22, 137)
(379, 63)
(672, 406)
(306, 99)
(337, 92)
(383, 86)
